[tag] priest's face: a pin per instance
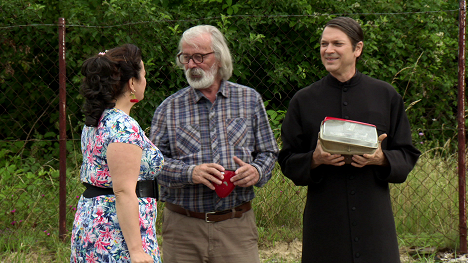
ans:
(338, 54)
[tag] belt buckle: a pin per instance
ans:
(206, 217)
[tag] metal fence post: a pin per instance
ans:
(461, 129)
(63, 133)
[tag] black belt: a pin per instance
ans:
(144, 188)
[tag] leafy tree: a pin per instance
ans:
(411, 44)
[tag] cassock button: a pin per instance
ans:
(353, 208)
(345, 89)
(346, 117)
(351, 177)
(352, 192)
(345, 103)
(354, 223)
(356, 239)
(358, 255)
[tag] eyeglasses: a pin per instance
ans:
(197, 57)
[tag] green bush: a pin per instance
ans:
(412, 45)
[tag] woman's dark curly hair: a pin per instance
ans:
(105, 79)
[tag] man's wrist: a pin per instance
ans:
(189, 174)
(384, 162)
(313, 163)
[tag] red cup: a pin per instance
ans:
(226, 187)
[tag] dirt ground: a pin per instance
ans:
(282, 252)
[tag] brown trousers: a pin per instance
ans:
(188, 239)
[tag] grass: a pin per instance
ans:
(426, 205)
(24, 245)
(425, 209)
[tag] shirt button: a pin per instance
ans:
(345, 103)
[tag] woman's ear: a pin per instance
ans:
(130, 83)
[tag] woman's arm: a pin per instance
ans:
(124, 166)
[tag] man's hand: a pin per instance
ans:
(207, 174)
(246, 174)
(321, 157)
(377, 158)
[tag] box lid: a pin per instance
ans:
(349, 132)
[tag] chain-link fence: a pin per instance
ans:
(276, 55)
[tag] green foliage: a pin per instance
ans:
(30, 204)
(426, 206)
(276, 120)
(274, 52)
(32, 245)
(410, 44)
(22, 197)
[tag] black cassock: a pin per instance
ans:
(348, 215)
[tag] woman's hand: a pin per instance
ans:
(141, 257)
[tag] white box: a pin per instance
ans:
(347, 137)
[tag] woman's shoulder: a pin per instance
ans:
(115, 115)
(118, 121)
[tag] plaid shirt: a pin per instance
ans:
(190, 130)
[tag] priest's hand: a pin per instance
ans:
(321, 157)
(377, 158)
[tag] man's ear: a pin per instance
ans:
(358, 49)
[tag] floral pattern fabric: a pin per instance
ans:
(96, 234)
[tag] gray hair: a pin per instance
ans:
(218, 44)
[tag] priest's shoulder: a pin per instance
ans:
(312, 88)
(377, 83)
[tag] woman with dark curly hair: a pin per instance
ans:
(115, 218)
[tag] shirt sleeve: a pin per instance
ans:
(266, 149)
(295, 157)
(175, 173)
(126, 130)
(398, 147)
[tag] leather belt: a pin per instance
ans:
(211, 217)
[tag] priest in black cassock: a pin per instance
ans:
(348, 215)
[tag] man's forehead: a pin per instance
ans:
(332, 34)
(201, 42)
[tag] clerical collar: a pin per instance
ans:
(349, 80)
(352, 81)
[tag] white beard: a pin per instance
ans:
(206, 80)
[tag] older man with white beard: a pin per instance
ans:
(203, 130)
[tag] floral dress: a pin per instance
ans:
(96, 234)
